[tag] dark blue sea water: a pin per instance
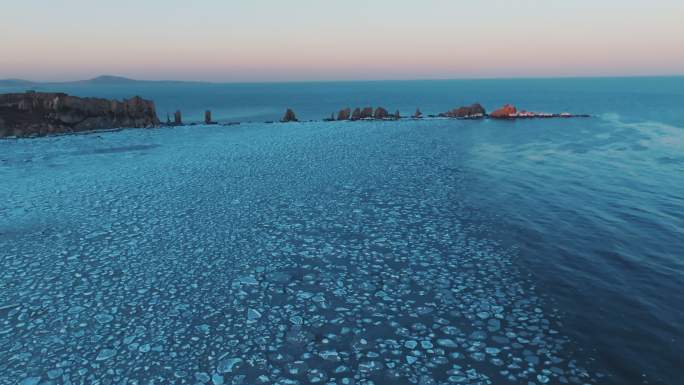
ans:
(425, 252)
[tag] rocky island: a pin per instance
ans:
(40, 113)
(511, 112)
(474, 111)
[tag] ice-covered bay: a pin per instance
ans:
(276, 254)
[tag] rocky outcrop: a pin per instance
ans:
(356, 115)
(367, 113)
(468, 112)
(289, 116)
(380, 113)
(40, 113)
(344, 114)
(207, 117)
(506, 112)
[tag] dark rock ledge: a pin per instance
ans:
(39, 113)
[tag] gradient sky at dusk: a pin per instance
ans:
(263, 40)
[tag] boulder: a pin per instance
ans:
(41, 113)
(506, 112)
(344, 114)
(289, 116)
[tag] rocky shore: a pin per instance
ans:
(511, 112)
(473, 111)
(39, 113)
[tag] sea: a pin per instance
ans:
(431, 251)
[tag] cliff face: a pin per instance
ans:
(39, 113)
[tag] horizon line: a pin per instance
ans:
(126, 78)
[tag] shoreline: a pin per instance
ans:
(36, 114)
(245, 123)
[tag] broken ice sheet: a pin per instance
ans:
(262, 257)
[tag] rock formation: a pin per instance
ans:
(506, 112)
(367, 113)
(289, 116)
(40, 113)
(472, 111)
(380, 113)
(344, 114)
(356, 115)
(207, 117)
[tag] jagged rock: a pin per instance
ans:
(41, 113)
(417, 114)
(504, 112)
(344, 114)
(367, 113)
(472, 111)
(356, 115)
(380, 113)
(289, 116)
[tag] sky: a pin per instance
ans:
(278, 40)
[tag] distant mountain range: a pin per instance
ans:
(100, 80)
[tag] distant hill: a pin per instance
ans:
(100, 80)
(16, 83)
(109, 80)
